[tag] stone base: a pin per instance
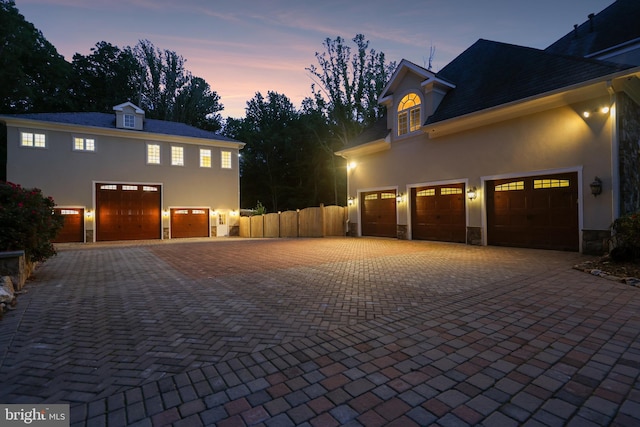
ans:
(353, 229)
(474, 236)
(402, 232)
(15, 265)
(595, 242)
(88, 236)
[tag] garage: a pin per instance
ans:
(73, 229)
(379, 213)
(534, 212)
(438, 213)
(127, 212)
(189, 223)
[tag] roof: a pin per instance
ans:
(489, 74)
(613, 26)
(108, 121)
(376, 131)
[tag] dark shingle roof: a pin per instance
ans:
(614, 25)
(489, 74)
(106, 120)
(376, 131)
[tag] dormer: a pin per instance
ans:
(412, 94)
(129, 116)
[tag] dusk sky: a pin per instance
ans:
(244, 46)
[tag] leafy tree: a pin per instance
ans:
(347, 86)
(106, 77)
(197, 105)
(34, 75)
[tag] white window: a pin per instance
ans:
(129, 121)
(409, 114)
(177, 156)
(84, 144)
(225, 159)
(32, 139)
(153, 154)
(205, 158)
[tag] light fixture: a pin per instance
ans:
(89, 214)
(351, 165)
(596, 186)
(602, 110)
(472, 193)
(400, 197)
(350, 201)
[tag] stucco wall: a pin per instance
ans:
(629, 140)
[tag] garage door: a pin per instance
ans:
(379, 213)
(534, 212)
(127, 212)
(189, 223)
(438, 213)
(73, 229)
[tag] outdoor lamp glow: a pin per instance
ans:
(472, 193)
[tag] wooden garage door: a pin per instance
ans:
(534, 212)
(438, 213)
(73, 229)
(189, 223)
(127, 212)
(379, 213)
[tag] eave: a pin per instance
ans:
(365, 149)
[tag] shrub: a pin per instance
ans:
(625, 233)
(27, 222)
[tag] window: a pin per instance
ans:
(387, 195)
(447, 191)
(84, 144)
(550, 183)
(426, 193)
(205, 158)
(177, 156)
(129, 121)
(225, 159)
(510, 186)
(153, 154)
(409, 114)
(129, 188)
(31, 139)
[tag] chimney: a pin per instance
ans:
(575, 30)
(591, 15)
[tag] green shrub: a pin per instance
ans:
(27, 221)
(625, 233)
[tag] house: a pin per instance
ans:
(508, 145)
(122, 176)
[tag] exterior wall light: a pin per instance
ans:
(472, 193)
(602, 110)
(596, 186)
(351, 166)
(350, 201)
(89, 214)
(400, 197)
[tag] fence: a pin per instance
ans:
(310, 222)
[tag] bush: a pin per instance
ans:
(27, 222)
(625, 233)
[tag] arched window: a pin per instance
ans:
(409, 114)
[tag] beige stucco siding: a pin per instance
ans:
(557, 139)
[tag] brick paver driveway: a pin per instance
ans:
(323, 332)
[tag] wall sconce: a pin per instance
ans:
(596, 186)
(234, 213)
(165, 214)
(400, 197)
(472, 193)
(351, 166)
(350, 201)
(89, 214)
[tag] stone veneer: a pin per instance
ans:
(474, 235)
(629, 151)
(402, 231)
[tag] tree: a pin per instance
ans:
(347, 86)
(106, 77)
(34, 75)
(168, 91)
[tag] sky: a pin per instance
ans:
(242, 47)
